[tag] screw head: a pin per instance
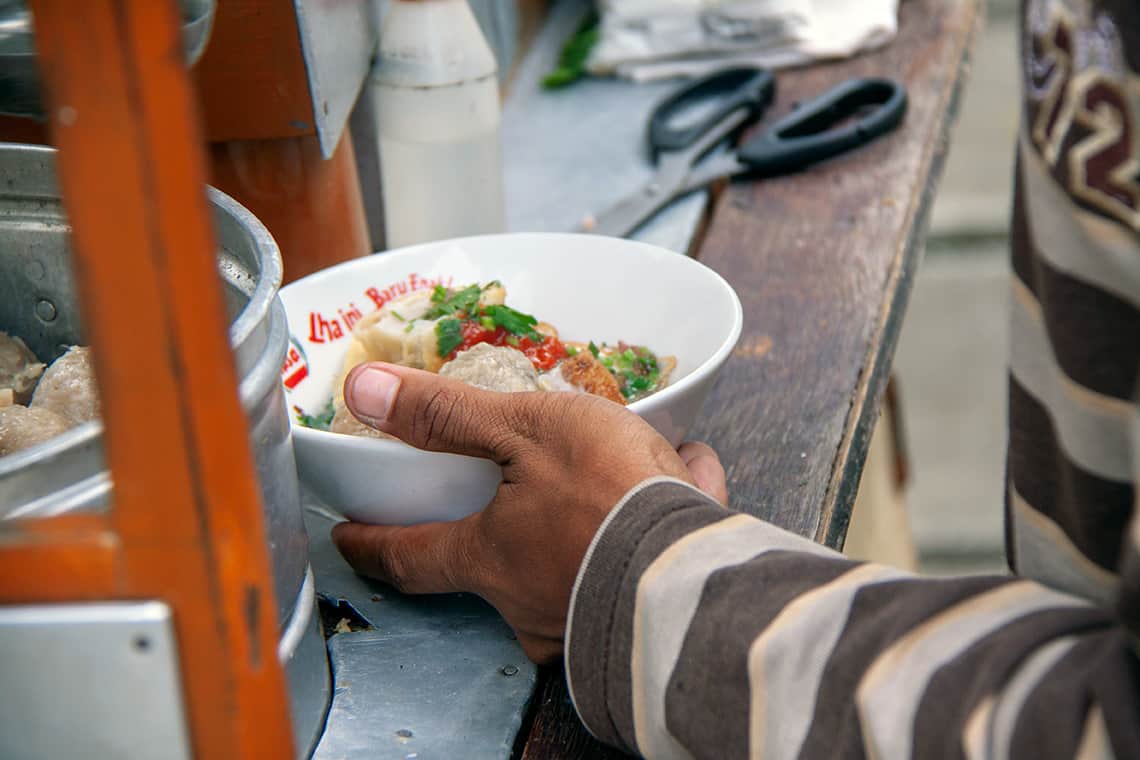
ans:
(45, 310)
(509, 670)
(405, 733)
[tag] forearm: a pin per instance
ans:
(695, 630)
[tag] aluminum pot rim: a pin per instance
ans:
(253, 313)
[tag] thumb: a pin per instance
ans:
(437, 413)
(417, 559)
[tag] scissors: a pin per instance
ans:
(739, 97)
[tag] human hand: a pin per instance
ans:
(567, 459)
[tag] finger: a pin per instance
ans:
(437, 413)
(418, 559)
(705, 468)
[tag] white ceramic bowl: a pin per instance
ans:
(589, 287)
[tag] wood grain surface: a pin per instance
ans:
(823, 262)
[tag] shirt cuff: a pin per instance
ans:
(599, 630)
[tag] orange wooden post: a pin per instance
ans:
(186, 526)
(258, 112)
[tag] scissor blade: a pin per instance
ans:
(627, 215)
(710, 170)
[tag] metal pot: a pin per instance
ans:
(19, 73)
(68, 474)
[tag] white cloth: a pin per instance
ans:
(653, 39)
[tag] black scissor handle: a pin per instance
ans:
(744, 87)
(803, 137)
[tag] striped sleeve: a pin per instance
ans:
(695, 631)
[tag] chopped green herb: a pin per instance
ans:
(449, 335)
(487, 323)
(411, 326)
(514, 322)
(461, 301)
(629, 355)
(512, 341)
(593, 349)
(571, 351)
(572, 61)
(398, 315)
(438, 294)
(320, 421)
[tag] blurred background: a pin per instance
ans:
(951, 360)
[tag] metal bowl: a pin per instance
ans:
(19, 75)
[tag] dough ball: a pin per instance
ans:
(68, 387)
(22, 427)
(493, 368)
(19, 368)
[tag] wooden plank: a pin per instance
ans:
(556, 731)
(252, 82)
(186, 514)
(823, 262)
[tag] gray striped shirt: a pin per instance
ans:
(696, 631)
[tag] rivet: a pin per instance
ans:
(45, 310)
(141, 643)
(404, 733)
(509, 670)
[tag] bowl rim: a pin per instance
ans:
(698, 375)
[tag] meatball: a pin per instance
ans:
(68, 387)
(19, 368)
(493, 368)
(22, 427)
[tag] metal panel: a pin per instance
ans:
(337, 40)
(436, 676)
(90, 680)
(573, 152)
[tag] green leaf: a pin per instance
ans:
(514, 322)
(448, 335)
(593, 349)
(438, 294)
(460, 301)
(320, 421)
(575, 53)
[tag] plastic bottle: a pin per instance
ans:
(437, 99)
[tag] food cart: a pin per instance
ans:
(184, 620)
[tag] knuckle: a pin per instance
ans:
(437, 416)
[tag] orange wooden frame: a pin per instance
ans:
(186, 526)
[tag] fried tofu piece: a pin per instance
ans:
(588, 374)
